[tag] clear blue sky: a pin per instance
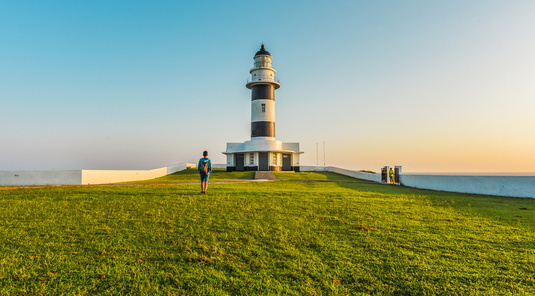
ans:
(435, 86)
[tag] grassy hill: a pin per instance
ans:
(191, 175)
(269, 238)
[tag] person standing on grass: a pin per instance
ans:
(205, 168)
(392, 177)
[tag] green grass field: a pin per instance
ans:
(328, 176)
(191, 175)
(268, 238)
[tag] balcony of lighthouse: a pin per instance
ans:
(264, 79)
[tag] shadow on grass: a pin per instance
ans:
(312, 176)
(511, 210)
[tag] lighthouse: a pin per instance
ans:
(263, 152)
(262, 84)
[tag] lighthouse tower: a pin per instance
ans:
(262, 84)
(262, 152)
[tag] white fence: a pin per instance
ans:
(355, 174)
(85, 177)
(40, 177)
(517, 186)
(116, 176)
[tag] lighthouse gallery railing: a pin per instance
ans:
(263, 78)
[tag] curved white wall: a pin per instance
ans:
(114, 176)
(516, 186)
(71, 177)
(85, 177)
(350, 173)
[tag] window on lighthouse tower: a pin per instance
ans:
(263, 108)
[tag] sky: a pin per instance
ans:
(433, 86)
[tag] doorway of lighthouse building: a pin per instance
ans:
(263, 161)
(286, 162)
(240, 162)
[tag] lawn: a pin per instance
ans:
(269, 238)
(323, 176)
(192, 175)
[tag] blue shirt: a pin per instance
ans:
(205, 159)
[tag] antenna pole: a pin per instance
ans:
(317, 159)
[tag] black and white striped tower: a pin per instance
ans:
(262, 84)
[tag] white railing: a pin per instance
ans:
(263, 78)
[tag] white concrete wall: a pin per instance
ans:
(84, 177)
(71, 177)
(234, 147)
(346, 172)
(116, 176)
(356, 174)
(289, 146)
(311, 168)
(295, 159)
(230, 160)
(516, 186)
(180, 167)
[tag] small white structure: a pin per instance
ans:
(262, 152)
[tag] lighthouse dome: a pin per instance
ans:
(262, 51)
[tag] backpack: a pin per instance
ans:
(204, 167)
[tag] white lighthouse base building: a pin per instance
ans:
(263, 155)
